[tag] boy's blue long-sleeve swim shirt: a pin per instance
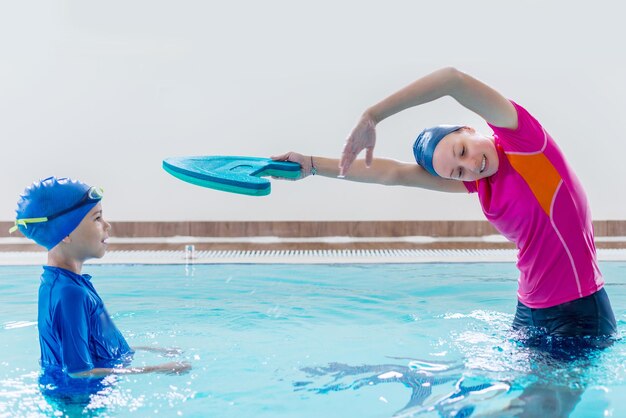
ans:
(76, 333)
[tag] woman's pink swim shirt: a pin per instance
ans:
(536, 201)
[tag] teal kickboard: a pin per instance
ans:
(242, 175)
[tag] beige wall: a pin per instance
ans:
(103, 91)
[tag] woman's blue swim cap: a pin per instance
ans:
(426, 142)
(53, 197)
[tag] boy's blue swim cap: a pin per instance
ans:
(50, 209)
(427, 141)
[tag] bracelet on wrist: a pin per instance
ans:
(313, 168)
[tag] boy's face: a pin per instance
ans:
(465, 155)
(89, 238)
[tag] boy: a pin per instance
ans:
(76, 334)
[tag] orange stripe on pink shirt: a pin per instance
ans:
(539, 174)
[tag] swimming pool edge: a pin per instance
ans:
(296, 257)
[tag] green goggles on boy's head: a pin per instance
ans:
(94, 194)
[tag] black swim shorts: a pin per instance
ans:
(590, 316)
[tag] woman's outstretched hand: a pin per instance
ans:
(362, 137)
(305, 162)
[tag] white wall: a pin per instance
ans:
(103, 91)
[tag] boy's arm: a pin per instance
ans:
(381, 171)
(174, 367)
(166, 351)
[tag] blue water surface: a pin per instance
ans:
(382, 340)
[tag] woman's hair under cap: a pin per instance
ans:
(47, 197)
(427, 141)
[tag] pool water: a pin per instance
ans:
(427, 340)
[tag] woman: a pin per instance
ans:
(526, 188)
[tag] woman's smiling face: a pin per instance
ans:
(465, 155)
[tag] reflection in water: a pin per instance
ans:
(76, 397)
(420, 376)
(555, 374)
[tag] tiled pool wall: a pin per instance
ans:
(188, 242)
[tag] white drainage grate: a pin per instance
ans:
(297, 256)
